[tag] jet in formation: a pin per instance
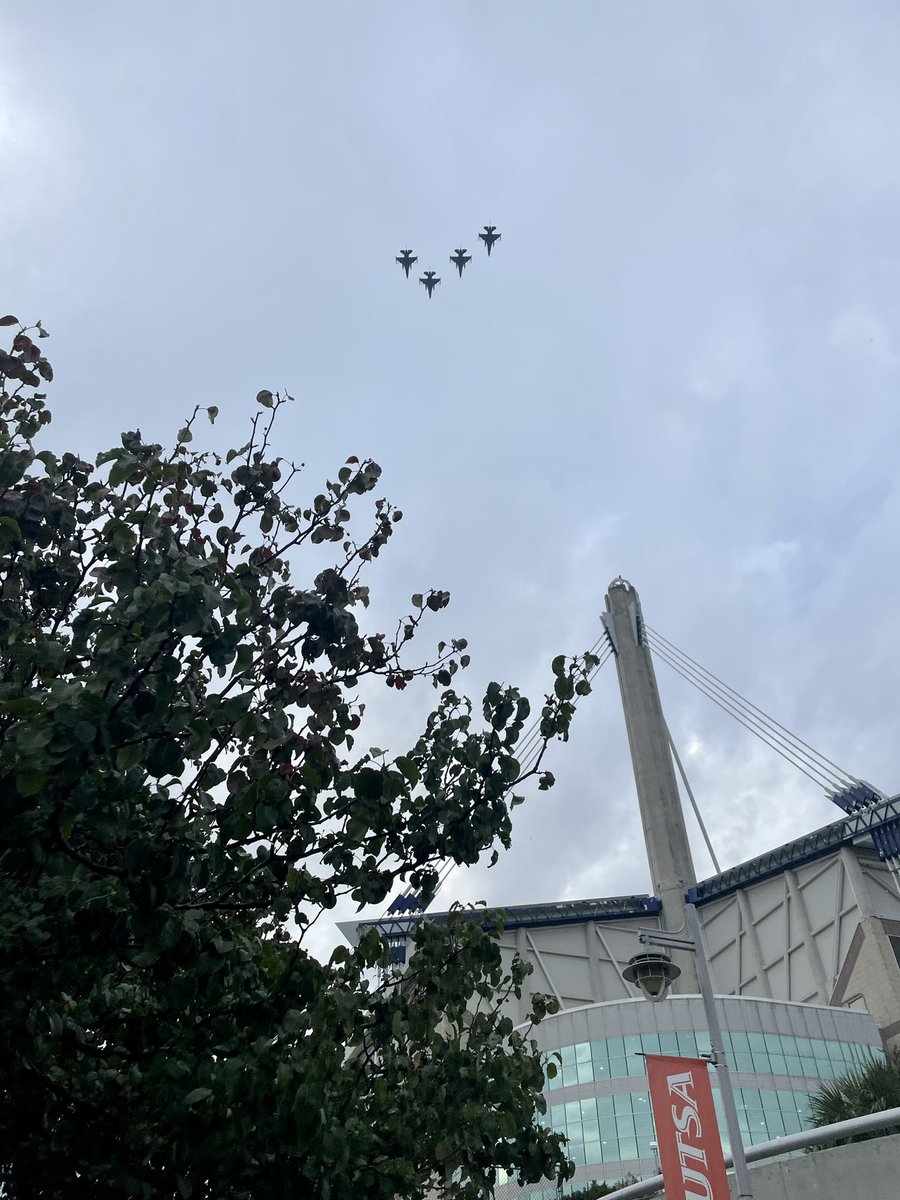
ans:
(459, 258)
(489, 236)
(430, 280)
(406, 258)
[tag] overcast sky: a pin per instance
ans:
(679, 364)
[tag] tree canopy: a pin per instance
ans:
(186, 786)
(594, 1190)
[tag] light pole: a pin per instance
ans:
(653, 973)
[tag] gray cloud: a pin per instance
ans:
(681, 362)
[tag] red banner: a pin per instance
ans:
(687, 1132)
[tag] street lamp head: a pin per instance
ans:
(652, 973)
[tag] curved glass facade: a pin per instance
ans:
(778, 1053)
(616, 1129)
(756, 1053)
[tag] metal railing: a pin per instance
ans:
(782, 1145)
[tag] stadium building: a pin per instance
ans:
(803, 945)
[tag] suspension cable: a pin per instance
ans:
(532, 736)
(529, 744)
(694, 805)
(813, 770)
(823, 759)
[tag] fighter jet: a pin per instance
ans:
(459, 258)
(406, 258)
(430, 280)
(489, 236)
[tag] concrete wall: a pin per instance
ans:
(796, 936)
(870, 1170)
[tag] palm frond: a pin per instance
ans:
(865, 1088)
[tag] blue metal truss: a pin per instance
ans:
(877, 819)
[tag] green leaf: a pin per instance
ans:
(30, 781)
(368, 784)
(264, 398)
(198, 1094)
(11, 527)
(408, 769)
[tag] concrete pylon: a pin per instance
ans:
(665, 835)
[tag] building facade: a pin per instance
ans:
(779, 1054)
(803, 946)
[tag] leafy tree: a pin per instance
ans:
(864, 1088)
(184, 791)
(594, 1190)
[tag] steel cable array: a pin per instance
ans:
(799, 754)
(528, 753)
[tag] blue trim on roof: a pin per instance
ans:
(806, 849)
(532, 916)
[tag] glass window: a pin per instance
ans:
(622, 1105)
(804, 1047)
(593, 1152)
(583, 1052)
(591, 1131)
(636, 1065)
(808, 1066)
(687, 1043)
(616, 1047)
(625, 1127)
(650, 1043)
(775, 1124)
(778, 1064)
(769, 1100)
(739, 1040)
(704, 1045)
(618, 1068)
(572, 1111)
(628, 1147)
(757, 1042)
(760, 1063)
(743, 1061)
(567, 1055)
(668, 1043)
(599, 1053)
(584, 1072)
